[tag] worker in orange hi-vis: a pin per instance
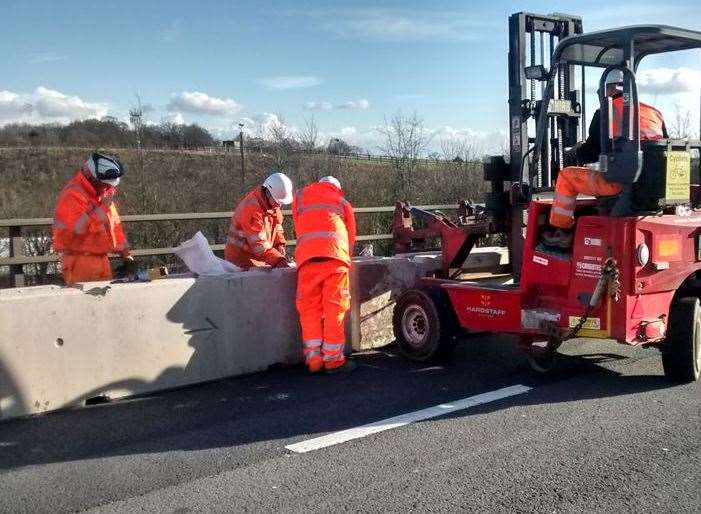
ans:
(325, 228)
(256, 237)
(574, 180)
(86, 225)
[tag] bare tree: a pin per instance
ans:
(461, 151)
(282, 142)
(681, 125)
(405, 141)
(309, 135)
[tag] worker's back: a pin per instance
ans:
(324, 224)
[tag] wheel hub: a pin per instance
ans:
(415, 325)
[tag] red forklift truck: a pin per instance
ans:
(633, 272)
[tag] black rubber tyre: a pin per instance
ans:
(681, 350)
(424, 325)
(542, 362)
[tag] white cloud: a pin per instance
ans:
(197, 102)
(361, 104)
(47, 105)
(172, 32)
(290, 82)
(12, 105)
(318, 106)
(45, 57)
(399, 25)
(315, 105)
(669, 81)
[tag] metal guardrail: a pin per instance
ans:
(18, 259)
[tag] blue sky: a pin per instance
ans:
(349, 64)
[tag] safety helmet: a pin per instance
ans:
(104, 168)
(279, 186)
(614, 82)
(331, 180)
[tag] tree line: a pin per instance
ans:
(107, 132)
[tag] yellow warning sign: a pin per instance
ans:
(590, 323)
(678, 175)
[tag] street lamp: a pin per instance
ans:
(243, 169)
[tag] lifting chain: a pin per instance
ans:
(609, 279)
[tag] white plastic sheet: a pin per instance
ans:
(199, 258)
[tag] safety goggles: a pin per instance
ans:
(112, 170)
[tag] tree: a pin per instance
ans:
(309, 136)
(338, 146)
(681, 125)
(405, 141)
(460, 151)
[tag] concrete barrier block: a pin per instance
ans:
(62, 346)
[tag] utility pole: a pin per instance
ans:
(243, 168)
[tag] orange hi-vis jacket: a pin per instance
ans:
(86, 228)
(651, 120)
(574, 180)
(324, 224)
(256, 236)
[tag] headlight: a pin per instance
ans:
(643, 254)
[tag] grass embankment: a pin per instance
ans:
(174, 181)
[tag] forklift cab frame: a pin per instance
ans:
(621, 158)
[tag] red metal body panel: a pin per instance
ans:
(557, 288)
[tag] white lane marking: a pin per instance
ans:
(405, 419)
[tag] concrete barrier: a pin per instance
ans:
(60, 347)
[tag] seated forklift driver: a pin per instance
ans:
(574, 180)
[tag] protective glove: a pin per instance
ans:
(127, 268)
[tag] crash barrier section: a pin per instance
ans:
(64, 347)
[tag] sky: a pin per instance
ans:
(348, 64)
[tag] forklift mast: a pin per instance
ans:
(532, 41)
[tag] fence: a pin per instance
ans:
(18, 259)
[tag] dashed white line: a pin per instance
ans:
(405, 419)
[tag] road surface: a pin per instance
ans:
(603, 433)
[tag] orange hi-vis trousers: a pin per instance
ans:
(572, 181)
(323, 297)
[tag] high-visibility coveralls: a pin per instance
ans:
(574, 180)
(256, 236)
(86, 228)
(325, 228)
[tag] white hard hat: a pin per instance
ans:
(104, 168)
(331, 180)
(614, 77)
(280, 187)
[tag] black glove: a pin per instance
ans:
(126, 269)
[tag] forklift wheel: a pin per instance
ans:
(681, 350)
(423, 327)
(542, 361)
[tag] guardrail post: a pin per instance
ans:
(16, 250)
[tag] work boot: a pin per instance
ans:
(557, 238)
(315, 366)
(349, 365)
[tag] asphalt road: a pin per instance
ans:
(603, 433)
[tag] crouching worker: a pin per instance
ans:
(325, 228)
(574, 180)
(256, 237)
(86, 224)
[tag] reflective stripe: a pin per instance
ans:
(100, 213)
(311, 353)
(254, 238)
(563, 212)
(318, 235)
(333, 357)
(80, 224)
(333, 347)
(321, 206)
(312, 343)
(259, 249)
(567, 200)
